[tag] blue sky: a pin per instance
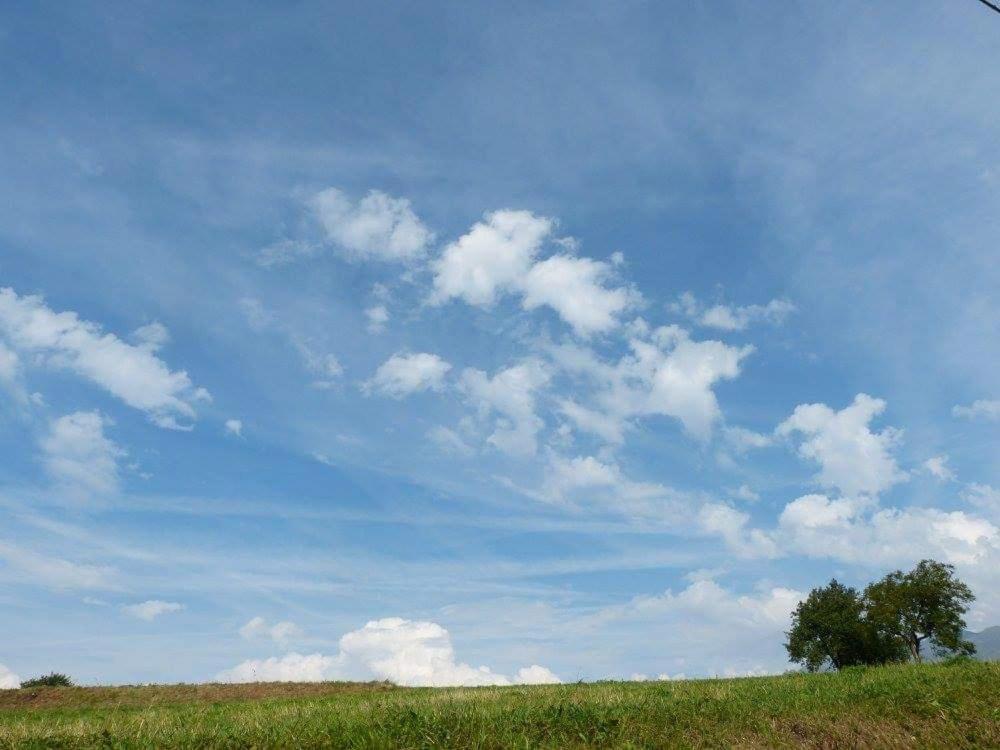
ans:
(573, 341)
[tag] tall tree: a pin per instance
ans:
(925, 604)
(829, 627)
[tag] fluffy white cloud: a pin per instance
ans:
(499, 256)
(151, 609)
(234, 427)
(852, 458)
(851, 531)
(132, 373)
(511, 394)
(574, 288)
(937, 466)
(291, 667)
(280, 632)
(982, 409)
(378, 227)
(8, 680)
(9, 364)
(79, 458)
(732, 318)
(491, 259)
(666, 374)
(403, 374)
(406, 652)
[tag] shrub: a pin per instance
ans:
(53, 679)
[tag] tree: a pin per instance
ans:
(830, 627)
(925, 604)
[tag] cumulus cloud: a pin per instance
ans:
(852, 458)
(378, 227)
(984, 497)
(280, 632)
(574, 288)
(234, 427)
(8, 680)
(729, 317)
(667, 373)
(850, 530)
(133, 374)
(406, 652)
(510, 394)
(491, 259)
(404, 374)
(981, 409)
(151, 609)
(937, 466)
(743, 440)
(79, 458)
(499, 256)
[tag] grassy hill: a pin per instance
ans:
(933, 705)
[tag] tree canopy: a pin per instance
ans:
(838, 627)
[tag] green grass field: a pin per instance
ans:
(937, 705)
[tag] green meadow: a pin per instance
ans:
(954, 705)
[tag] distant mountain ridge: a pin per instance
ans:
(987, 642)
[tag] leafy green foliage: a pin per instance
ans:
(53, 679)
(837, 627)
(925, 604)
(829, 629)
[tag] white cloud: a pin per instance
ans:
(745, 492)
(574, 288)
(937, 466)
(9, 364)
(981, 409)
(79, 458)
(742, 440)
(585, 480)
(498, 256)
(511, 394)
(378, 316)
(403, 374)
(848, 530)
(132, 373)
(378, 227)
(151, 609)
(666, 374)
(153, 336)
(291, 667)
(729, 317)
(280, 632)
(985, 497)
(8, 680)
(55, 572)
(492, 258)
(707, 624)
(234, 427)
(406, 652)
(852, 458)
